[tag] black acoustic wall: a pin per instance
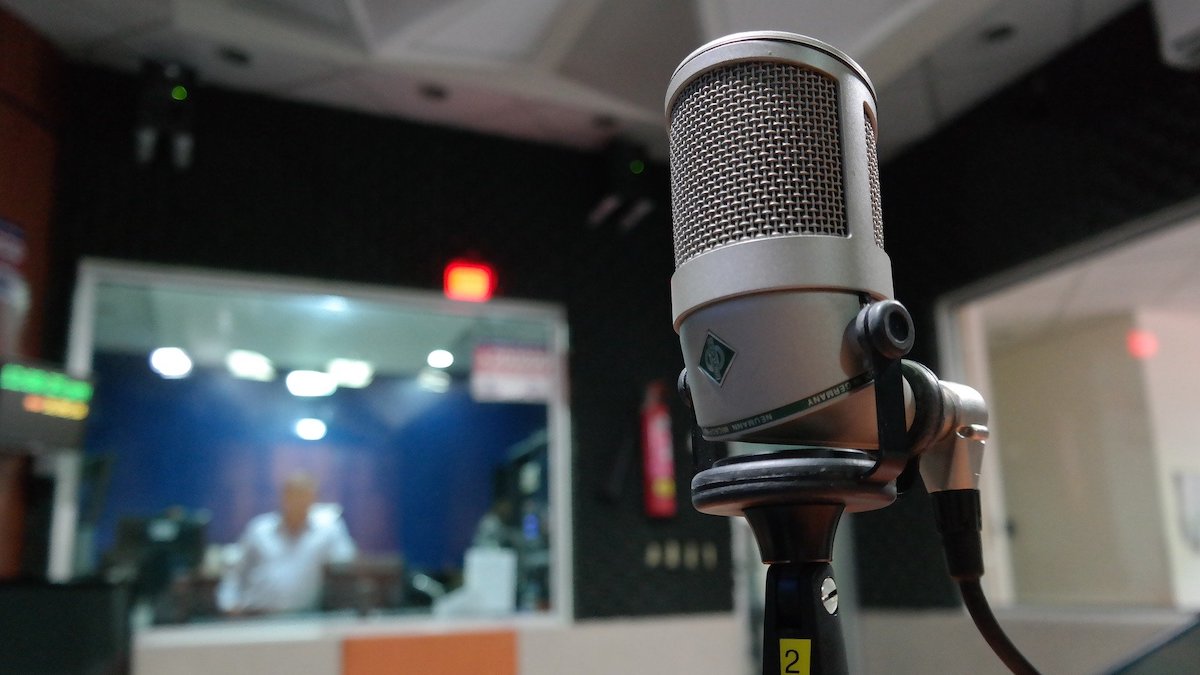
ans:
(1100, 136)
(289, 189)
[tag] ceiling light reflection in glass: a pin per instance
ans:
(248, 365)
(170, 362)
(310, 383)
(311, 429)
(436, 381)
(351, 373)
(440, 358)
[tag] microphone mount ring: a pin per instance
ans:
(788, 477)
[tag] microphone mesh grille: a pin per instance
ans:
(755, 152)
(873, 175)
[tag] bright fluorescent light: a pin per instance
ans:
(335, 304)
(440, 358)
(310, 429)
(249, 365)
(437, 381)
(310, 383)
(351, 373)
(170, 362)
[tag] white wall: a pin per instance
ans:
(678, 646)
(1080, 476)
(691, 645)
(1172, 379)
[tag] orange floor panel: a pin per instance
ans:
(491, 653)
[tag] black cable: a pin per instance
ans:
(959, 520)
(989, 628)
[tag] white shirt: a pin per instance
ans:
(279, 572)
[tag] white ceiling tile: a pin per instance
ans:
(333, 15)
(340, 90)
(463, 105)
(630, 49)
(604, 57)
(1112, 288)
(268, 70)
(1040, 28)
(1094, 13)
(967, 69)
(72, 31)
(1173, 244)
(1034, 302)
(956, 93)
(1185, 293)
(844, 25)
(509, 30)
(568, 126)
(385, 18)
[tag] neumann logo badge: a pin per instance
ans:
(715, 358)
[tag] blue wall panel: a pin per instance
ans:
(411, 468)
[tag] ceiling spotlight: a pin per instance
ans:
(310, 383)
(247, 365)
(351, 373)
(234, 56)
(310, 429)
(604, 122)
(440, 358)
(999, 33)
(170, 362)
(433, 92)
(334, 303)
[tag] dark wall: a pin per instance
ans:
(1100, 136)
(30, 112)
(289, 189)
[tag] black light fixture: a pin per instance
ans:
(628, 199)
(166, 108)
(1001, 32)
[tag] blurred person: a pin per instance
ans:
(284, 553)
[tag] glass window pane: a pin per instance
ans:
(428, 432)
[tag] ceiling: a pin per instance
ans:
(568, 72)
(581, 72)
(1157, 271)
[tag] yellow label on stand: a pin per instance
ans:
(795, 657)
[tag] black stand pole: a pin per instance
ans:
(802, 634)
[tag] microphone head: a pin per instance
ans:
(778, 236)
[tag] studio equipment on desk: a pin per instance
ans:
(782, 298)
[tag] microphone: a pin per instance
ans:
(782, 298)
(778, 235)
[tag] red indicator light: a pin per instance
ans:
(468, 281)
(1142, 344)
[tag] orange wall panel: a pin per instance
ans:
(30, 112)
(27, 162)
(490, 653)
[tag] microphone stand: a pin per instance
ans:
(793, 499)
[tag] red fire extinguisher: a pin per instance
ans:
(658, 453)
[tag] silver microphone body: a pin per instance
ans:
(778, 239)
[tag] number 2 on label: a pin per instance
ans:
(795, 657)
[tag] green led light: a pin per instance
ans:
(179, 92)
(636, 167)
(28, 380)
